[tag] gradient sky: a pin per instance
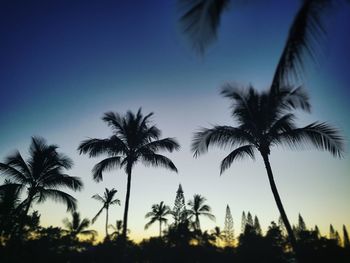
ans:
(64, 63)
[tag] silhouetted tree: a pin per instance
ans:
(229, 236)
(179, 210)
(250, 221)
(197, 208)
(346, 240)
(118, 229)
(9, 209)
(331, 232)
(243, 221)
(107, 200)
(218, 235)
(158, 213)
(257, 227)
(42, 174)
(77, 227)
(265, 119)
(134, 139)
(301, 224)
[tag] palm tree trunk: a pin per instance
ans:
(23, 217)
(279, 203)
(126, 208)
(107, 223)
(160, 229)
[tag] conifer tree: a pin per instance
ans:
(228, 230)
(346, 241)
(317, 231)
(301, 224)
(243, 222)
(331, 232)
(250, 221)
(179, 209)
(337, 238)
(281, 226)
(257, 227)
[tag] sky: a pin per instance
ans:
(65, 63)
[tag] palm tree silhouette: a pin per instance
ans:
(158, 213)
(134, 140)
(107, 200)
(77, 226)
(200, 21)
(264, 120)
(42, 174)
(118, 229)
(197, 208)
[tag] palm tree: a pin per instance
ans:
(264, 120)
(118, 229)
(77, 227)
(158, 213)
(133, 140)
(42, 174)
(199, 208)
(107, 200)
(200, 21)
(217, 235)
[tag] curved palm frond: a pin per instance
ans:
(167, 144)
(97, 215)
(304, 38)
(62, 180)
(157, 160)
(320, 135)
(222, 136)
(58, 196)
(13, 174)
(99, 198)
(16, 160)
(105, 165)
(97, 147)
(200, 21)
(236, 154)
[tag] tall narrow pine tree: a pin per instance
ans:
(243, 222)
(228, 230)
(179, 209)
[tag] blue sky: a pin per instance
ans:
(64, 63)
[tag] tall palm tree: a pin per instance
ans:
(158, 213)
(134, 139)
(77, 226)
(42, 175)
(266, 119)
(107, 200)
(200, 20)
(197, 208)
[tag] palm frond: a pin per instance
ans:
(55, 180)
(13, 174)
(16, 161)
(304, 38)
(158, 160)
(221, 136)
(166, 144)
(105, 165)
(236, 154)
(200, 21)
(151, 222)
(58, 196)
(98, 198)
(320, 135)
(97, 215)
(97, 147)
